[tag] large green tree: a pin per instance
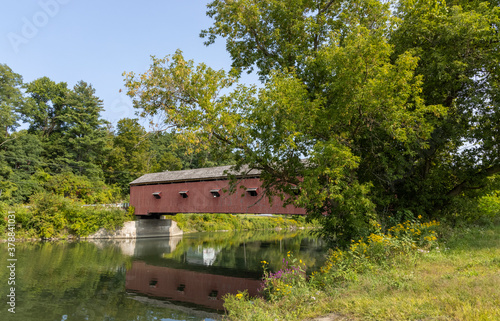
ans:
(373, 108)
(85, 134)
(69, 124)
(11, 101)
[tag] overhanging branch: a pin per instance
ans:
(465, 185)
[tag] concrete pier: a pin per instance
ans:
(139, 229)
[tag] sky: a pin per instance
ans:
(96, 41)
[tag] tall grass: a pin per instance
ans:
(406, 273)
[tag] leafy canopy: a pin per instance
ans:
(373, 108)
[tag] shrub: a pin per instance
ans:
(276, 285)
(378, 248)
(3, 215)
(49, 215)
(73, 186)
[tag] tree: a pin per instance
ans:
(171, 152)
(372, 114)
(69, 125)
(46, 106)
(85, 133)
(11, 100)
(19, 160)
(130, 157)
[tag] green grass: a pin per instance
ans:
(456, 280)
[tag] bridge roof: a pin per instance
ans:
(199, 174)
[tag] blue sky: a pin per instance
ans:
(96, 41)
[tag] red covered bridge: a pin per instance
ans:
(203, 190)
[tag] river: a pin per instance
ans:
(183, 278)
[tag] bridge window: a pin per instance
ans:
(181, 288)
(213, 295)
(153, 283)
(184, 194)
(157, 194)
(252, 191)
(215, 192)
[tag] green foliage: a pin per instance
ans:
(227, 222)
(78, 187)
(71, 151)
(480, 207)
(49, 215)
(3, 215)
(279, 284)
(377, 249)
(378, 106)
(11, 101)
(170, 151)
(455, 282)
(85, 135)
(394, 271)
(65, 148)
(19, 160)
(130, 156)
(88, 220)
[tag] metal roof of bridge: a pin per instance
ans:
(211, 173)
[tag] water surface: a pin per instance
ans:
(181, 278)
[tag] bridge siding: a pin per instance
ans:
(200, 200)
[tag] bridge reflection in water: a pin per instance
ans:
(185, 286)
(195, 271)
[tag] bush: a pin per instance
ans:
(3, 215)
(376, 249)
(287, 289)
(276, 285)
(49, 215)
(78, 187)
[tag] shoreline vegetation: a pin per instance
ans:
(411, 268)
(53, 217)
(414, 271)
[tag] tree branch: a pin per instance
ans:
(8, 140)
(259, 44)
(464, 185)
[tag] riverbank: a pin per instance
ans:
(454, 277)
(229, 222)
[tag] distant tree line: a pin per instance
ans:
(54, 139)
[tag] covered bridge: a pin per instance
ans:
(203, 190)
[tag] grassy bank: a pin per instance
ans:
(390, 276)
(228, 222)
